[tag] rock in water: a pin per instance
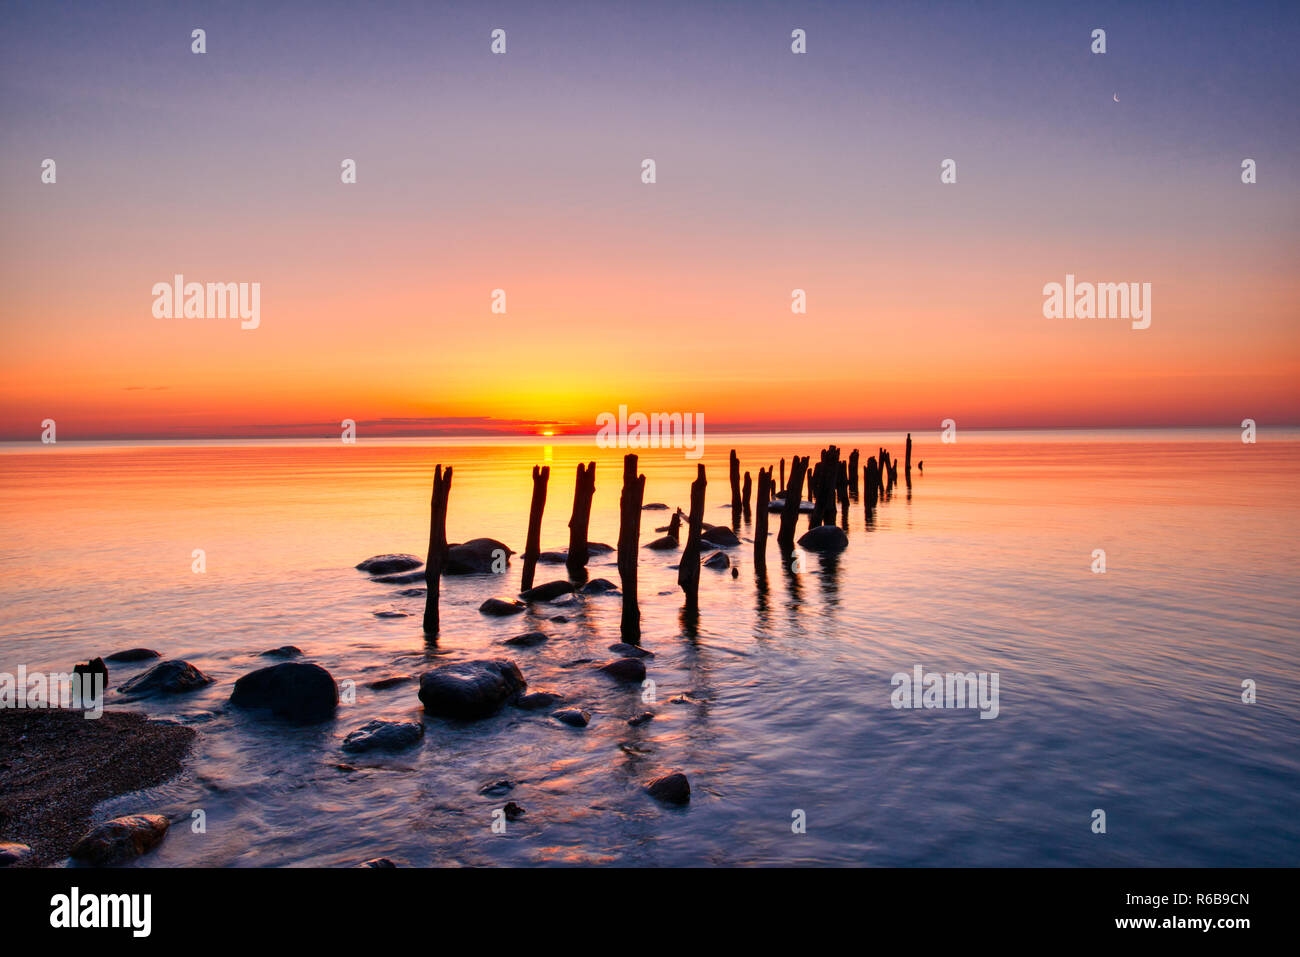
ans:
(526, 640)
(624, 650)
(547, 591)
(538, 699)
(477, 556)
(167, 677)
(380, 684)
(665, 544)
(824, 538)
(389, 564)
(574, 717)
(625, 669)
(384, 736)
(717, 560)
(721, 536)
(654, 506)
(639, 719)
(284, 651)
(470, 689)
(500, 607)
(121, 839)
(381, 862)
(672, 788)
(599, 548)
(88, 669)
(598, 586)
(513, 811)
(11, 854)
(292, 689)
(133, 654)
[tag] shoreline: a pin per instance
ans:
(56, 767)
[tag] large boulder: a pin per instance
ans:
(824, 538)
(167, 677)
(292, 689)
(477, 556)
(121, 839)
(470, 689)
(389, 564)
(384, 736)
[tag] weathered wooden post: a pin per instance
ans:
(907, 461)
(790, 513)
(437, 555)
(842, 488)
(782, 475)
(688, 572)
(629, 542)
(583, 490)
(746, 492)
(735, 486)
(533, 545)
(853, 473)
(760, 521)
(871, 483)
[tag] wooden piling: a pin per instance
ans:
(907, 466)
(688, 572)
(853, 473)
(790, 513)
(760, 521)
(583, 490)
(782, 492)
(735, 482)
(533, 544)
(437, 555)
(746, 492)
(629, 542)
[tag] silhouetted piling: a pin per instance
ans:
(871, 481)
(790, 513)
(782, 476)
(583, 490)
(533, 544)
(688, 572)
(746, 491)
(853, 473)
(437, 546)
(907, 460)
(629, 541)
(842, 487)
(760, 521)
(735, 483)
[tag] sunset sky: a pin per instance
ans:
(522, 172)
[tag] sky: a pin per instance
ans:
(523, 172)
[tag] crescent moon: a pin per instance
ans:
(1116, 95)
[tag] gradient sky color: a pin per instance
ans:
(522, 172)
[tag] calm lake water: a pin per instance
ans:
(1120, 691)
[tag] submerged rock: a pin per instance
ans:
(413, 592)
(477, 556)
(721, 536)
(470, 689)
(497, 788)
(625, 669)
(380, 684)
(599, 548)
(547, 591)
(384, 736)
(88, 669)
(405, 579)
(294, 690)
(500, 607)
(391, 614)
(553, 558)
(630, 651)
(513, 811)
(574, 717)
(665, 544)
(526, 640)
(284, 651)
(718, 560)
(168, 677)
(121, 839)
(133, 654)
(672, 788)
(598, 586)
(388, 564)
(824, 538)
(380, 862)
(654, 506)
(538, 699)
(639, 719)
